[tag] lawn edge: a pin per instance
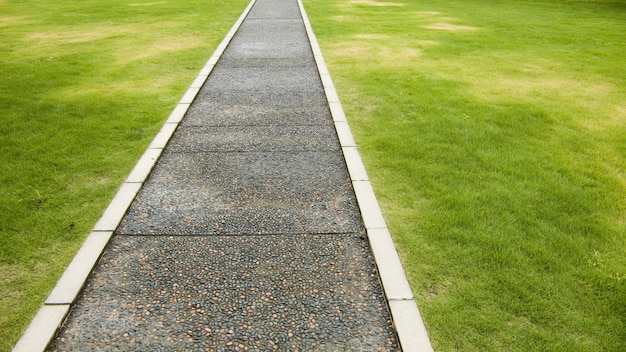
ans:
(405, 314)
(55, 309)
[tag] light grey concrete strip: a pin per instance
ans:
(222, 47)
(337, 112)
(42, 328)
(345, 134)
(144, 166)
(410, 327)
(317, 51)
(355, 164)
(178, 113)
(327, 81)
(163, 137)
(331, 94)
(189, 96)
(116, 210)
(213, 60)
(207, 69)
(199, 81)
(390, 268)
(370, 210)
(71, 282)
(321, 66)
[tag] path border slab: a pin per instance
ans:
(404, 312)
(42, 329)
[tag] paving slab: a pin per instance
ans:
(258, 107)
(42, 328)
(194, 139)
(276, 9)
(269, 38)
(258, 293)
(245, 193)
(262, 62)
(281, 80)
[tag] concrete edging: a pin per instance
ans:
(404, 312)
(44, 326)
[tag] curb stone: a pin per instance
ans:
(404, 312)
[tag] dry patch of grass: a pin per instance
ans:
(148, 3)
(369, 48)
(611, 120)
(450, 27)
(375, 3)
(70, 35)
(158, 47)
(6, 21)
(426, 13)
(371, 36)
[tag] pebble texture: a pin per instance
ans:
(196, 139)
(246, 236)
(253, 293)
(245, 193)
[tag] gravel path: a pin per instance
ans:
(247, 235)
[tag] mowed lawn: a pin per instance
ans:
(494, 133)
(84, 87)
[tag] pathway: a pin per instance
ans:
(247, 234)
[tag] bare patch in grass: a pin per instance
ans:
(373, 36)
(122, 34)
(9, 272)
(383, 54)
(131, 86)
(585, 93)
(148, 3)
(374, 3)
(587, 99)
(426, 14)
(7, 21)
(379, 48)
(97, 181)
(614, 118)
(388, 53)
(438, 289)
(169, 45)
(450, 27)
(348, 51)
(529, 79)
(342, 18)
(620, 112)
(78, 36)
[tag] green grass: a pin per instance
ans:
(494, 133)
(84, 87)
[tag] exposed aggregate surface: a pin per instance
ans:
(257, 293)
(246, 236)
(245, 193)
